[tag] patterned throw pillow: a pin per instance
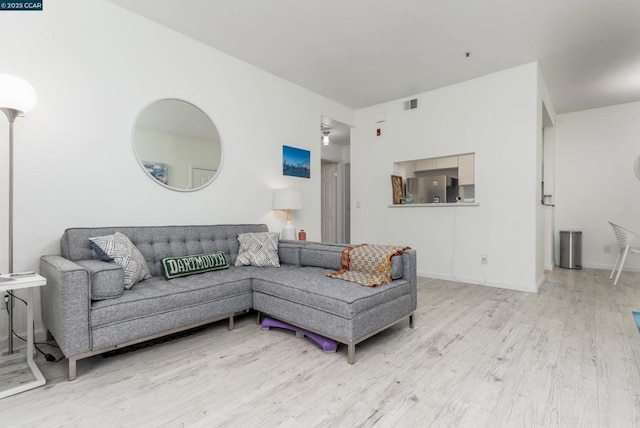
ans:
(175, 267)
(258, 249)
(119, 249)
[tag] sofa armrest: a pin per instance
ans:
(410, 273)
(106, 280)
(66, 304)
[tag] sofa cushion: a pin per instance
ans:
(175, 267)
(158, 242)
(310, 287)
(119, 249)
(105, 279)
(289, 253)
(159, 296)
(258, 249)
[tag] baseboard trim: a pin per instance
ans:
(609, 267)
(477, 281)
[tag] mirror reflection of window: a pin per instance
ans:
(177, 145)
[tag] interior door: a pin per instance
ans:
(201, 176)
(329, 193)
(347, 203)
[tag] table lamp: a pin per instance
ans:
(17, 97)
(287, 199)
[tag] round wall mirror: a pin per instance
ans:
(177, 145)
(636, 167)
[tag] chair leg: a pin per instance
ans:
(351, 353)
(615, 264)
(624, 257)
(72, 368)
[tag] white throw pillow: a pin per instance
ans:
(119, 249)
(258, 249)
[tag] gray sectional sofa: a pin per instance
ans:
(86, 310)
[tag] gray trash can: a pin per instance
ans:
(571, 249)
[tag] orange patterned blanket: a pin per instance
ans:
(367, 264)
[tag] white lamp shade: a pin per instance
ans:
(284, 199)
(16, 93)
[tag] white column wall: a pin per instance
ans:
(495, 116)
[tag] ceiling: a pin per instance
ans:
(364, 52)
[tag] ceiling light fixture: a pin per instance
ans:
(325, 138)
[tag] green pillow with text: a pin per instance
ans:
(176, 267)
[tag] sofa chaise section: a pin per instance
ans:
(346, 312)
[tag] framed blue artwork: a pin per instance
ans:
(296, 162)
(159, 171)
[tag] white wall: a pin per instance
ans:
(497, 117)
(336, 153)
(595, 182)
(94, 66)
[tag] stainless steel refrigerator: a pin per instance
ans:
(435, 189)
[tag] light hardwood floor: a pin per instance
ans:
(478, 357)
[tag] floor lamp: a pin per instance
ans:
(17, 97)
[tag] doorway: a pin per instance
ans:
(547, 190)
(336, 181)
(329, 201)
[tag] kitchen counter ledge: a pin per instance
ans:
(431, 205)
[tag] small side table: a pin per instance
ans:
(9, 283)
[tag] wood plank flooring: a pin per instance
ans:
(477, 357)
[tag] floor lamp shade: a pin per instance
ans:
(287, 199)
(16, 94)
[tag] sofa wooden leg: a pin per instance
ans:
(411, 322)
(72, 368)
(351, 353)
(259, 318)
(231, 322)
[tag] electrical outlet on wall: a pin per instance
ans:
(484, 259)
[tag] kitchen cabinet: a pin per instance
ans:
(425, 164)
(448, 162)
(436, 163)
(466, 169)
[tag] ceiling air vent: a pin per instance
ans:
(411, 104)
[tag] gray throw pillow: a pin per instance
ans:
(258, 249)
(119, 249)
